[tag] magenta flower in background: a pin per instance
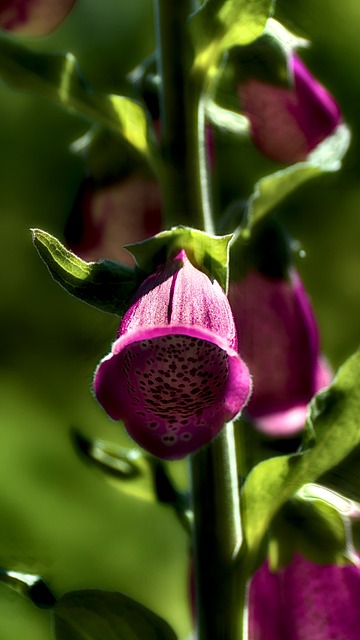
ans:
(305, 601)
(105, 218)
(33, 17)
(278, 340)
(174, 375)
(287, 123)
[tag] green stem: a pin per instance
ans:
(182, 136)
(217, 537)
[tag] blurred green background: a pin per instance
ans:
(59, 517)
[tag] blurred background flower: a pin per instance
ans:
(33, 17)
(287, 123)
(304, 600)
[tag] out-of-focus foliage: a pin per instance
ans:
(59, 518)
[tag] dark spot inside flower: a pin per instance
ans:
(196, 385)
(169, 439)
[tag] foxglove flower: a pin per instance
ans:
(305, 600)
(278, 340)
(174, 375)
(104, 218)
(287, 123)
(33, 17)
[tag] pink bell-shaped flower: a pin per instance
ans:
(278, 340)
(288, 122)
(33, 17)
(305, 600)
(174, 375)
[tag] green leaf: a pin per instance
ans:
(334, 417)
(208, 251)
(221, 24)
(57, 77)
(269, 191)
(103, 615)
(106, 285)
(128, 470)
(312, 527)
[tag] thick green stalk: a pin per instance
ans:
(214, 488)
(182, 129)
(217, 537)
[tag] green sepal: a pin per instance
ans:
(58, 78)
(221, 24)
(30, 586)
(272, 189)
(313, 528)
(206, 251)
(133, 472)
(128, 470)
(106, 285)
(226, 119)
(93, 614)
(264, 59)
(268, 250)
(333, 432)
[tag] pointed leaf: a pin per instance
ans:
(207, 251)
(57, 77)
(334, 417)
(221, 24)
(128, 470)
(269, 191)
(106, 285)
(104, 615)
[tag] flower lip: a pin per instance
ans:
(174, 387)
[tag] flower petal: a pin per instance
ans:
(179, 293)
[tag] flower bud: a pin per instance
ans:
(33, 17)
(304, 600)
(288, 122)
(278, 340)
(174, 375)
(107, 217)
